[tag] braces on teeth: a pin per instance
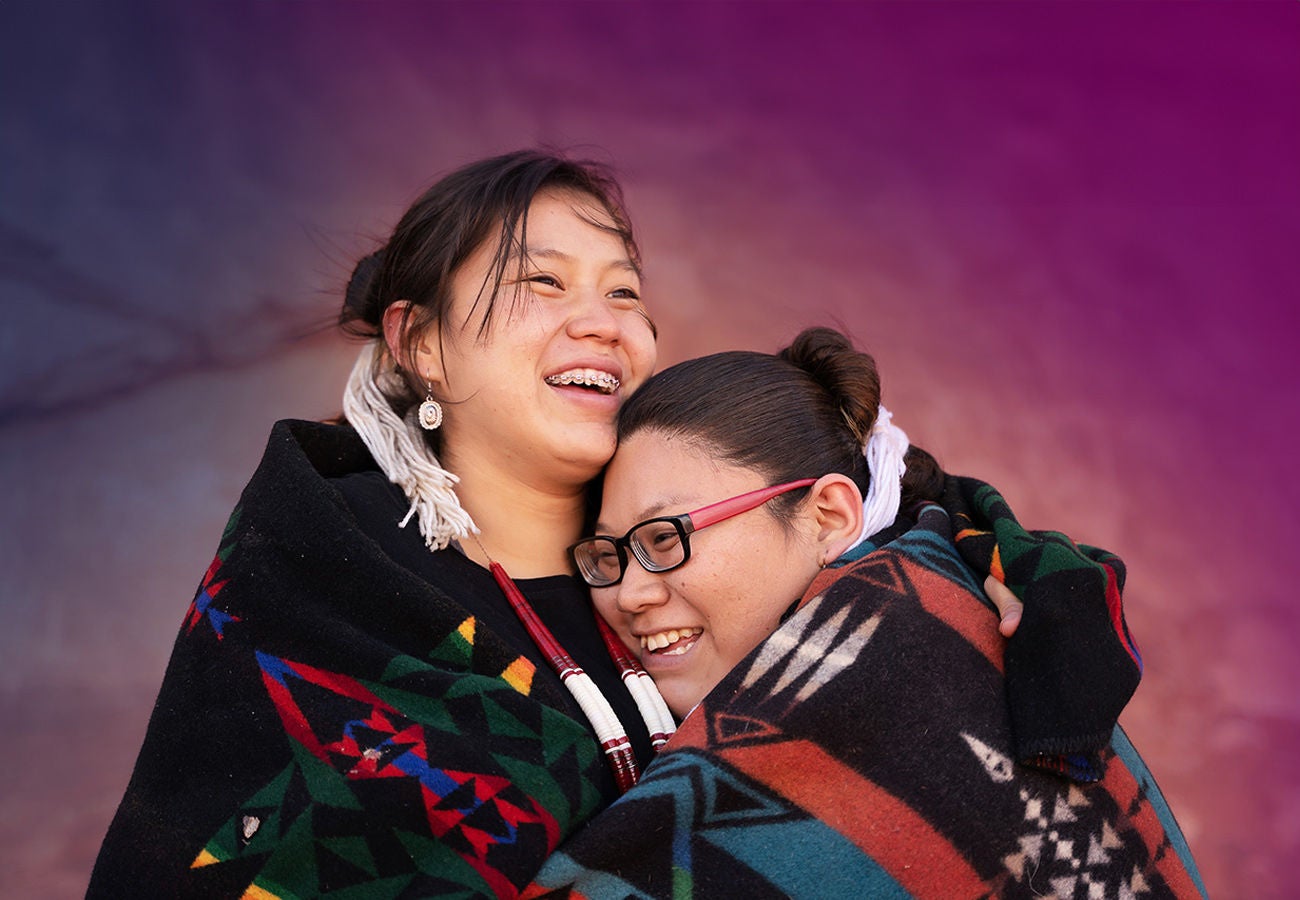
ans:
(602, 381)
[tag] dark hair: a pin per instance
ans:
(485, 200)
(801, 413)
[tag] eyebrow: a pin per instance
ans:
(550, 253)
(654, 511)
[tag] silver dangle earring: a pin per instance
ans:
(430, 411)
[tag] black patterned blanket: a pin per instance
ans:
(868, 749)
(332, 725)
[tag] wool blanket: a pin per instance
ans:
(868, 748)
(331, 725)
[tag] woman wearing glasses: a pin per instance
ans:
(389, 679)
(840, 667)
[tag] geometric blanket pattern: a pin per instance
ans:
(865, 749)
(333, 725)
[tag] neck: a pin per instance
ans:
(524, 525)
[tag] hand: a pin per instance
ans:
(1009, 607)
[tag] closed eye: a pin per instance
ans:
(665, 540)
(625, 298)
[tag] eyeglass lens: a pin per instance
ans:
(658, 545)
(598, 558)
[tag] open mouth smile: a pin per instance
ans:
(673, 642)
(595, 379)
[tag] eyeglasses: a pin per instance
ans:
(662, 544)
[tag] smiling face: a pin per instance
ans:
(692, 625)
(536, 392)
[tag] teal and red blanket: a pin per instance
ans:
(868, 747)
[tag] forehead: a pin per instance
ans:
(654, 473)
(563, 227)
(557, 213)
(557, 220)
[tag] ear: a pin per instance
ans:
(412, 350)
(835, 503)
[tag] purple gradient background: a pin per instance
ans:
(1067, 231)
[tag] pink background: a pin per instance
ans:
(1068, 232)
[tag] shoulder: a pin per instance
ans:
(304, 455)
(328, 450)
(291, 499)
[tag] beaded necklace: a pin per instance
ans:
(610, 733)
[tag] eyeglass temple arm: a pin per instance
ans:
(725, 509)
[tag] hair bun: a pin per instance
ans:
(847, 374)
(361, 301)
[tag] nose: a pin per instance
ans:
(592, 316)
(639, 590)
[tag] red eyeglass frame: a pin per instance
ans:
(686, 524)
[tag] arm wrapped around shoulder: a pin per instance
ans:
(1072, 665)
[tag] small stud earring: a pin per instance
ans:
(430, 411)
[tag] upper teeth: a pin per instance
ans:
(602, 381)
(664, 638)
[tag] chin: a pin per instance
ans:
(588, 450)
(679, 709)
(680, 700)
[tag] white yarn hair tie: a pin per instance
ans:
(399, 448)
(885, 448)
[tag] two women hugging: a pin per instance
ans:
(391, 681)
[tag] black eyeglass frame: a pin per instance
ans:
(685, 525)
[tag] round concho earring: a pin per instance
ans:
(430, 411)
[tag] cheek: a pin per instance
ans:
(606, 602)
(752, 607)
(736, 613)
(606, 605)
(642, 351)
(737, 635)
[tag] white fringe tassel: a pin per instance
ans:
(399, 448)
(886, 446)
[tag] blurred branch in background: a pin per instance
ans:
(74, 342)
